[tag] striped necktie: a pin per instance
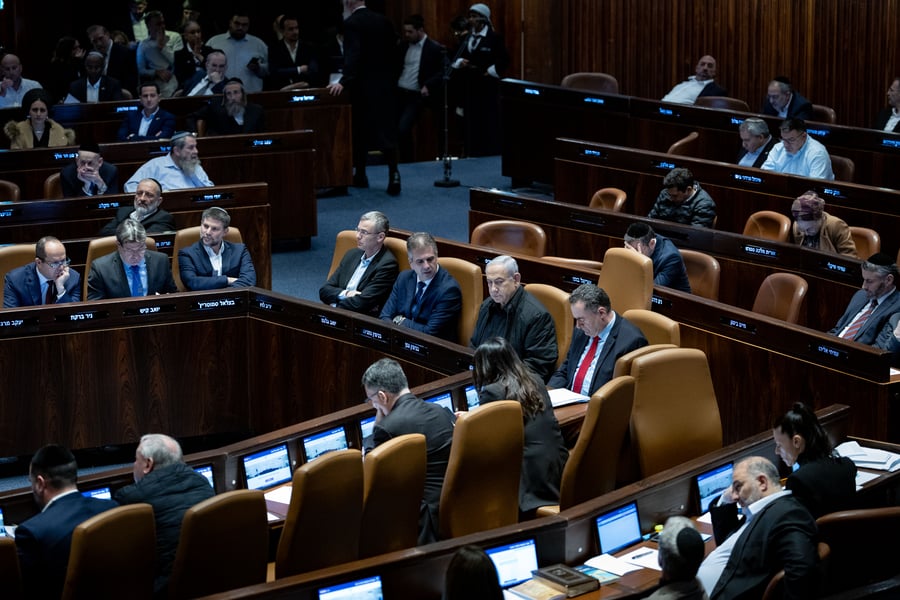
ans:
(860, 321)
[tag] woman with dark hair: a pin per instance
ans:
(823, 481)
(471, 576)
(38, 130)
(66, 66)
(501, 375)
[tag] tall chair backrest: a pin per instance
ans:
(518, 237)
(675, 416)
(623, 363)
(224, 545)
(53, 187)
(609, 198)
(471, 283)
(394, 482)
(188, 236)
(867, 241)
(627, 277)
(723, 102)
(13, 257)
(769, 225)
(844, 168)
(574, 263)
(556, 301)
(98, 247)
(843, 530)
(591, 82)
(823, 114)
(113, 554)
(345, 240)
(686, 146)
(398, 249)
(703, 272)
(781, 296)
(775, 589)
(10, 574)
(9, 191)
(481, 487)
(322, 524)
(657, 328)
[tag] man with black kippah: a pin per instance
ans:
(872, 306)
(88, 175)
(680, 553)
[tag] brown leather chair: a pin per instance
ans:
(394, 481)
(9, 191)
(823, 114)
(657, 328)
(481, 487)
(574, 263)
(398, 249)
(627, 277)
(775, 589)
(224, 545)
(623, 363)
(10, 574)
(53, 187)
(471, 283)
(703, 272)
(781, 296)
(590, 470)
(345, 240)
(518, 237)
(722, 102)
(867, 241)
(686, 146)
(113, 554)
(609, 198)
(768, 225)
(842, 531)
(322, 525)
(188, 236)
(13, 257)
(843, 168)
(98, 247)
(592, 82)
(556, 301)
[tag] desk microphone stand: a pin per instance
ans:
(448, 181)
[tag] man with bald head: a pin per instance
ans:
(701, 83)
(46, 280)
(13, 86)
(94, 86)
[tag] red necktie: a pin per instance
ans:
(860, 321)
(585, 365)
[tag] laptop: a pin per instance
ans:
(207, 472)
(2, 525)
(445, 400)
(267, 468)
(366, 426)
(471, 397)
(102, 493)
(712, 483)
(514, 562)
(619, 528)
(322, 443)
(361, 589)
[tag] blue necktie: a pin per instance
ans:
(417, 303)
(136, 287)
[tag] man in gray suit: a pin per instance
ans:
(873, 305)
(131, 270)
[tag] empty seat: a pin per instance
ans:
(843, 530)
(867, 241)
(657, 328)
(623, 363)
(517, 237)
(769, 225)
(13, 257)
(609, 198)
(10, 574)
(592, 82)
(723, 102)
(471, 283)
(556, 301)
(843, 168)
(53, 187)
(781, 296)
(627, 277)
(703, 272)
(823, 114)
(398, 249)
(574, 263)
(9, 191)
(188, 236)
(686, 146)
(345, 240)
(98, 247)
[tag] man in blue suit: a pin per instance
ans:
(43, 541)
(425, 298)
(149, 123)
(47, 280)
(862, 322)
(668, 266)
(213, 263)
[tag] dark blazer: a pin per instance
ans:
(283, 69)
(374, 286)
(799, 108)
(887, 341)
(439, 313)
(189, 85)
(431, 63)
(668, 266)
(623, 338)
(162, 126)
(762, 155)
(825, 485)
(219, 122)
(158, 222)
(72, 187)
(186, 67)
(882, 119)
(22, 287)
(713, 89)
(43, 542)
(110, 89)
(123, 66)
(868, 333)
(196, 271)
(107, 277)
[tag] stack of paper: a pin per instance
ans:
(563, 397)
(869, 458)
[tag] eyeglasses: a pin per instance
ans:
(135, 251)
(57, 264)
(372, 398)
(364, 233)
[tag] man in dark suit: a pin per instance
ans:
(146, 210)
(212, 80)
(425, 298)
(94, 86)
(131, 270)
(668, 266)
(888, 119)
(784, 102)
(399, 412)
(47, 280)
(88, 175)
(862, 322)
(43, 541)
(756, 142)
(290, 60)
(889, 338)
(119, 61)
(602, 336)
(149, 123)
(231, 114)
(364, 278)
(778, 533)
(422, 62)
(701, 83)
(233, 266)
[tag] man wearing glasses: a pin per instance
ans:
(131, 270)
(799, 154)
(47, 280)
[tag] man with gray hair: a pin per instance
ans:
(212, 80)
(177, 170)
(680, 553)
(517, 316)
(212, 263)
(163, 480)
(399, 412)
(682, 200)
(425, 297)
(871, 307)
(756, 142)
(145, 210)
(131, 270)
(782, 101)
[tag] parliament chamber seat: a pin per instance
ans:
(844, 169)
(322, 525)
(393, 485)
(10, 574)
(775, 589)
(398, 249)
(224, 545)
(517, 237)
(345, 240)
(481, 486)
(867, 241)
(843, 531)
(556, 301)
(768, 225)
(574, 263)
(623, 363)
(53, 187)
(471, 284)
(13, 257)
(101, 247)
(627, 277)
(609, 198)
(703, 273)
(823, 114)
(723, 102)
(591, 82)
(686, 146)
(781, 296)
(657, 328)
(113, 554)
(9, 191)
(188, 236)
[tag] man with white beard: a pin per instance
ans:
(231, 114)
(177, 170)
(147, 212)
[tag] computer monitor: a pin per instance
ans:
(267, 468)
(514, 562)
(618, 528)
(471, 397)
(324, 442)
(2, 525)
(712, 483)
(366, 426)
(444, 399)
(361, 589)
(102, 493)
(206, 471)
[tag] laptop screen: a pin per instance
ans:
(444, 400)
(514, 562)
(618, 528)
(100, 493)
(366, 426)
(318, 444)
(471, 397)
(361, 589)
(711, 484)
(206, 471)
(267, 468)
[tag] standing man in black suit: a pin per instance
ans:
(422, 61)
(290, 59)
(701, 83)
(782, 101)
(399, 412)
(871, 307)
(88, 175)
(231, 114)
(45, 280)
(43, 541)
(756, 142)
(148, 272)
(889, 118)
(119, 62)
(94, 86)
(363, 280)
(370, 75)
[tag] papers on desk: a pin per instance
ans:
(863, 477)
(640, 558)
(869, 458)
(563, 397)
(705, 518)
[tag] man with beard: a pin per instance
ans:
(147, 212)
(177, 170)
(248, 56)
(231, 114)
